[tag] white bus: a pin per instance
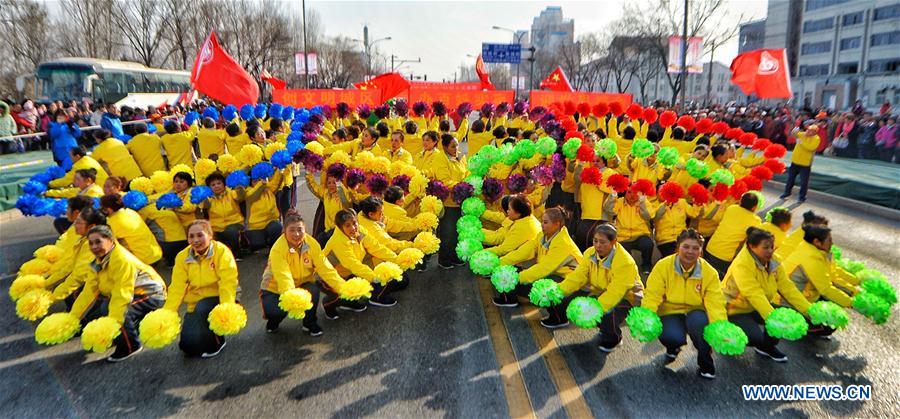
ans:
(106, 81)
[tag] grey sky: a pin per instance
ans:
(443, 32)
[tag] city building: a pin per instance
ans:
(751, 36)
(550, 30)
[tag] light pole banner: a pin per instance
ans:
(311, 61)
(694, 55)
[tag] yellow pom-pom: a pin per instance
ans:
(533, 162)
(51, 253)
(339, 156)
(34, 304)
(204, 168)
(364, 160)
(227, 319)
(25, 283)
(182, 168)
(409, 258)
(160, 328)
(142, 184)
(162, 181)
(250, 154)
(417, 186)
(316, 147)
(35, 267)
(427, 242)
(426, 220)
(431, 204)
(272, 148)
(228, 163)
(355, 289)
(381, 165)
(56, 328)
(295, 302)
(98, 335)
(388, 271)
(400, 168)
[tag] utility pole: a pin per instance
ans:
(305, 51)
(531, 75)
(709, 76)
(684, 48)
(400, 62)
(366, 48)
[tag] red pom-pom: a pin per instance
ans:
(763, 173)
(753, 183)
(569, 107)
(775, 165)
(600, 110)
(568, 124)
(761, 144)
(574, 134)
(704, 125)
(618, 182)
(667, 119)
(738, 189)
(687, 122)
(670, 192)
(584, 109)
(616, 108)
(775, 151)
(699, 194)
(650, 115)
(720, 191)
(720, 127)
(585, 153)
(591, 175)
(733, 133)
(747, 139)
(643, 186)
(557, 109)
(634, 112)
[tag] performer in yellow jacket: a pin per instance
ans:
(204, 276)
(794, 239)
(263, 225)
(130, 230)
(397, 222)
(632, 219)
(521, 227)
(778, 222)
(80, 161)
(179, 145)
(84, 184)
(396, 151)
(224, 212)
(210, 139)
(146, 149)
(685, 291)
(350, 248)
(112, 154)
(732, 230)
(801, 160)
(71, 271)
(449, 167)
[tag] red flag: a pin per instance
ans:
(763, 72)
(276, 83)
(391, 84)
(483, 74)
(218, 76)
(557, 81)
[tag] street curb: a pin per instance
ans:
(863, 207)
(10, 214)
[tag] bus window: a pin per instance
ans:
(62, 83)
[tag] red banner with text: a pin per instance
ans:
(543, 98)
(453, 97)
(299, 98)
(435, 85)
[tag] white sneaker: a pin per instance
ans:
(213, 354)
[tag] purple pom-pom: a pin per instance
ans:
(310, 127)
(327, 111)
(502, 108)
(312, 161)
(401, 181)
(377, 184)
(309, 137)
(364, 110)
(492, 189)
(382, 111)
(487, 110)
(336, 171)
(354, 178)
(420, 108)
(437, 189)
(317, 119)
(558, 167)
(520, 108)
(343, 110)
(401, 108)
(542, 174)
(537, 113)
(464, 109)
(461, 191)
(516, 183)
(439, 108)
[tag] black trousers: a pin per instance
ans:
(127, 341)
(720, 265)
(643, 244)
(667, 249)
(610, 324)
(196, 337)
(449, 237)
(795, 171)
(171, 249)
(583, 238)
(231, 237)
(676, 329)
(754, 327)
(266, 237)
(274, 315)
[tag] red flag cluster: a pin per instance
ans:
(218, 76)
(763, 72)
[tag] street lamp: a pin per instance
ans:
(367, 46)
(519, 42)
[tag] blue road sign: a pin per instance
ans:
(501, 53)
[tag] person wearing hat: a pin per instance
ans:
(801, 159)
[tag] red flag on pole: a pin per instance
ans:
(276, 83)
(391, 84)
(763, 72)
(218, 76)
(557, 81)
(483, 74)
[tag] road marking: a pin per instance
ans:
(568, 389)
(22, 164)
(510, 371)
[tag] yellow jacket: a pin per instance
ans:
(73, 266)
(146, 149)
(224, 210)
(396, 220)
(164, 224)
(180, 146)
(815, 274)
(234, 144)
(333, 202)
(805, 149)
(558, 256)
(790, 243)
(478, 140)
(290, 267)
(514, 235)
(424, 161)
(592, 196)
(611, 279)
(671, 220)
(195, 277)
(134, 235)
(632, 221)
(732, 231)
(495, 237)
(211, 141)
(93, 191)
(120, 277)
(450, 171)
(187, 212)
(670, 290)
(376, 229)
(777, 232)
(117, 157)
(349, 255)
(413, 144)
(86, 162)
(400, 155)
(641, 170)
(749, 286)
(709, 218)
(261, 206)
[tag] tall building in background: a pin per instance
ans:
(751, 35)
(550, 30)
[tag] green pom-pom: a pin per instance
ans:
(545, 293)
(468, 222)
(644, 324)
(479, 166)
(483, 262)
(786, 323)
(585, 312)
(509, 155)
(696, 168)
(828, 314)
(667, 157)
(642, 148)
(836, 252)
(879, 287)
(606, 148)
(570, 147)
(725, 337)
(505, 278)
(473, 206)
(872, 306)
(546, 146)
(466, 247)
(721, 176)
(476, 181)
(477, 235)
(489, 153)
(852, 266)
(526, 149)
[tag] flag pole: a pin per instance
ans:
(305, 51)
(684, 48)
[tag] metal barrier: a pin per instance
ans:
(88, 128)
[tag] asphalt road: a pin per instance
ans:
(444, 351)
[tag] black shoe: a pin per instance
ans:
(773, 354)
(784, 196)
(499, 301)
(801, 200)
(272, 329)
(422, 267)
(354, 306)
(331, 313)
(383, 301)
(672, 353)
(708, 373)
(550, 323)
(119, 357)
(313, 329)
(213, 354)
(605, 348)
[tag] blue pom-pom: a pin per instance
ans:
(169, 201)
(56, 172)
(97, 203)
(229, 113)
(26, 204)
(237, 179)
(151, 129)
(191, 117)
(260, 111)
(301, 116)
(295, 145)
(135, 200)
(34, 188)
(42, 178)
(247, 112)
(211, 112)
(200, 194)
(59, 207)
(262, 170)
(287, 113)
(275, 110)
(42, 207)
(281, 159)
(316, 110)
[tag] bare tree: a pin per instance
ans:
(140, 29)
(87, 29)
(19, 19)
(339, 64)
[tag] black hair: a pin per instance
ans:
(92, 216)
(749, 201)
(233, 130)
(112, 201)
(678, 133)
(411, 127)
(208, 123)
(343, 216)
(101, 134)
(600, 133)
(372, 132)
(292, 217)
(814, 232)
(499, 132)
(339, 133)
(140, 128)
(430, 135)
(393, 194)
(252, 130)
(383, 129)
(689, 234)
(89, 173)
(810, 217)
(171, 127)
(520, 204)
(353, 132)
(446, 139)
(629, 133)
(444, 126)
(478, 126)
(214, 176)
(370, 204)
(275, 124)
(652, 136)
(557, 214)
(606, 230)
(504, 202)
(527, 134)
(755, 236)
(512, 132)
(80, 202)
(79, 151)
(718, 150)
(780, 216)
(185, 176)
